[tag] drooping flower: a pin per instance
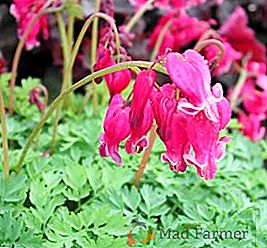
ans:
(35, 99)
(251, 125)
(141, 116)
(203, 135)
(116, 81)
(190, 73)
(24, 11)
(171, 127)
(241, 37)
(183, 30)
(138, 139)
(116, 129)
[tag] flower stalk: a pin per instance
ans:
(66, 92)
(145, 158)
(138, 15)
(4, 136)
(204, 43)
(93, 56)
(67, 71)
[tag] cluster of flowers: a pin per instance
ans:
(189, 123)
(239, 42)
(25, 11)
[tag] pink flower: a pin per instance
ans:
(35, 99)
(171, 127)
(254, 91)
(241, 37)
(168, 4)
(190, 73)
(141, 116)
(24, 11)
(203, 136)
(183, 30)
(116, 81)
(230, 55)
(138, 140)
(252, 125)
(141, 93)
(116, 129)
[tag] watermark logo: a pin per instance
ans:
(136, 223)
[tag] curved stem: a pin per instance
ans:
(4, 135)
(19, 49)
(93, 56)
(43, 89)
(138, 15)
(83, 32)
(66, 73)
(84, 81)
(159, 41)
(145, 158)
(239, 85)
(204, 43)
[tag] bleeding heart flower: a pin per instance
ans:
(241, 37)
(116, 81)
(190, 73)
(35, 98)
(24, 12)
(252, 125)
(116, 129)
(143, 87)
(203, 136)
(171, 127)
(138, 140)
(182, 31)
(141, 116)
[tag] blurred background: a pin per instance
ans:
(45, 61)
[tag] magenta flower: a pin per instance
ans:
(116, 81)
(116, 129)
(141, 93)
(190, 73)
(138, 140)
(169, 4)
(171, 127)
(241, 37)
(35, 99)
(208, 149)
(24, 11)
(183, 30)
(251, 125)
(141, 116)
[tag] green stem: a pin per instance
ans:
(4, 135)
(93, 56)
(239, 85)
(66, 72)
(159, 41)
(19, 49)
(71, 30)
(138, 15)
(83, 32)
(84, 81)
